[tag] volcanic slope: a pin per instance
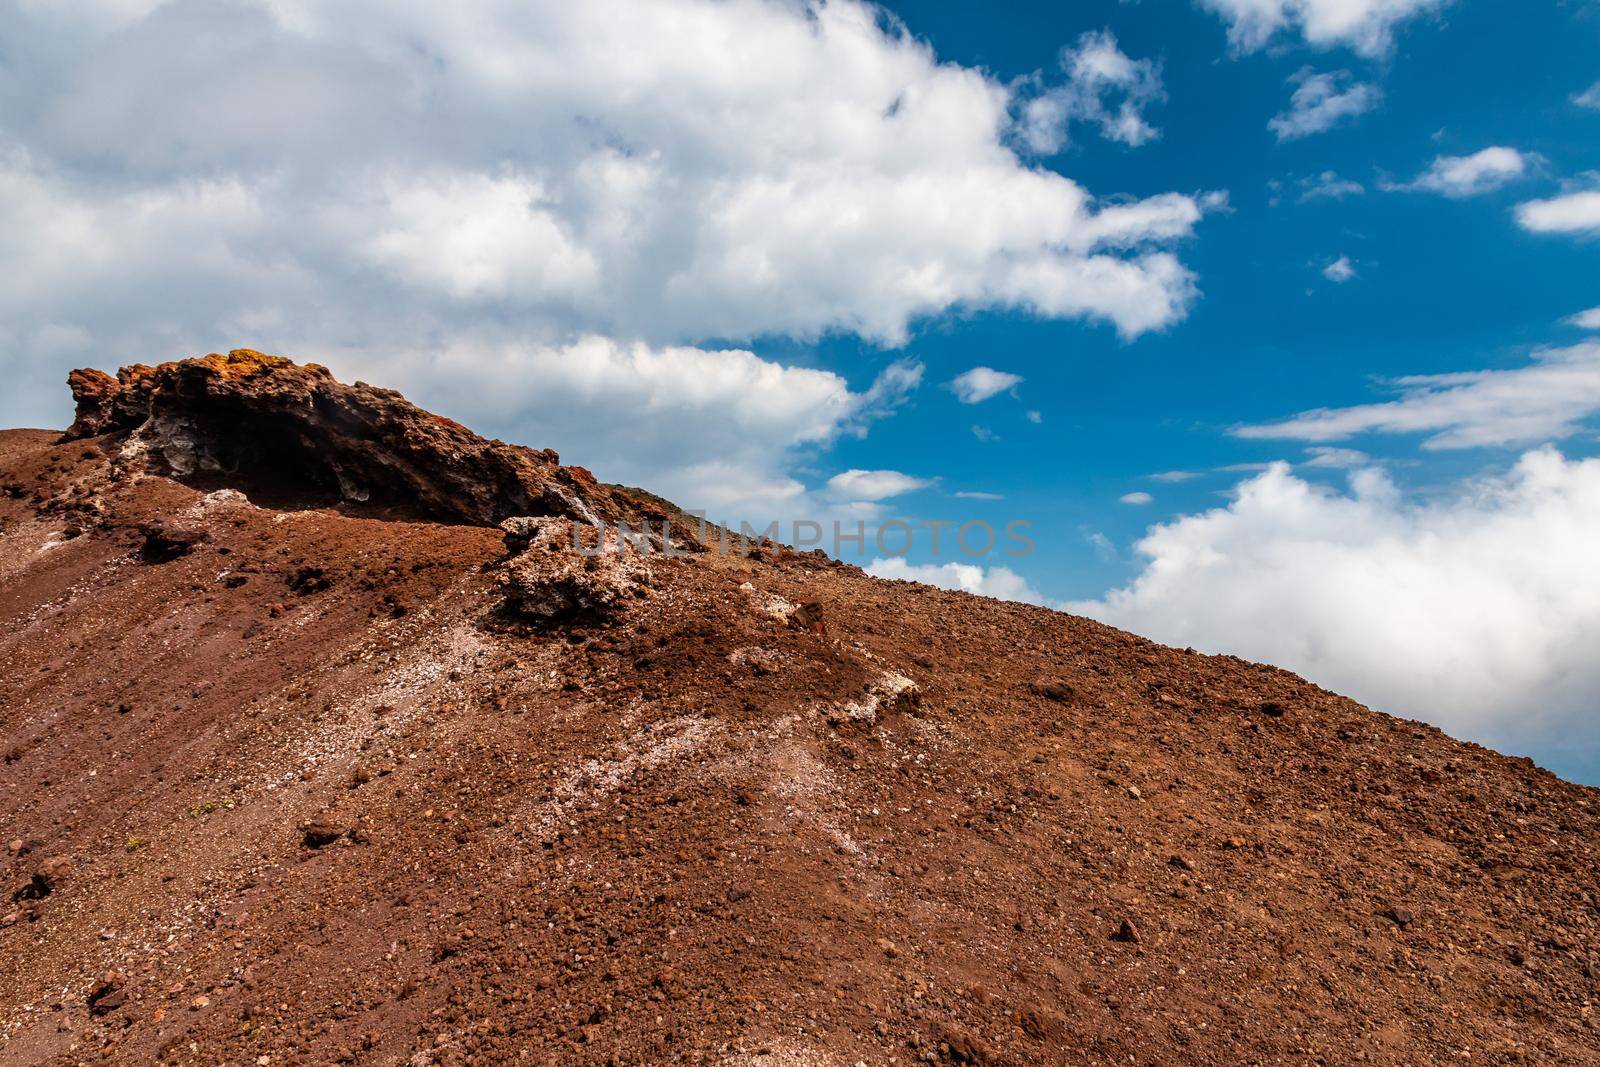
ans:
(294, 775)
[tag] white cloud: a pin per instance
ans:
(873, 485)
(984, 434)
(1103, 546)
(475, 237)
(981, 383)
(1321, 101)
(378, 176)
(1543, 401)
(1463, 176)
(1034, 417)
(709, 429)
(1329, 186)
(1174, 477)
(1585, 320)
(1479, 612)
(1104, 88)
(974, 495)
(1572, 213)
(1335, 458)
(1339, 270)
(1136, 499)
(1001, 583)
(1365, 25)
(1589, 98)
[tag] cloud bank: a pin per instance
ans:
(500, 187)
(672, 172)
(1478, 612)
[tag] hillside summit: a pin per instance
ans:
(322, 742)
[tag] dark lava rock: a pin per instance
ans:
(95, 391)
(108, 993)
(164, 542)
(320, 834)
(280, 428)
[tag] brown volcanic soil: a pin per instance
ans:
(298, 796)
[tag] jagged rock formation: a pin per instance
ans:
(266, 422)
(284, 786)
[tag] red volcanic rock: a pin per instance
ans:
(288, 430)
(95, 392)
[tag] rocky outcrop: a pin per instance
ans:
(265, 423)
(94, 392)
(559, 577)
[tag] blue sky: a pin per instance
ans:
(738, 252)
(1442, 284)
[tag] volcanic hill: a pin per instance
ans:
(323, 742)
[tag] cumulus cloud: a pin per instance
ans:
(1585, 320)
(1339, 270)
(1104, 88)
(1137, 498)
(1575, 213)
(384, 175)
(981, 383)
(1463, 176)
(533, 214)
(873, 485)
(671, 173)
(1322, 101)
(1479, 612)
(1589, 98)
(999, 582)
(1365, 25)
(1546, 400)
